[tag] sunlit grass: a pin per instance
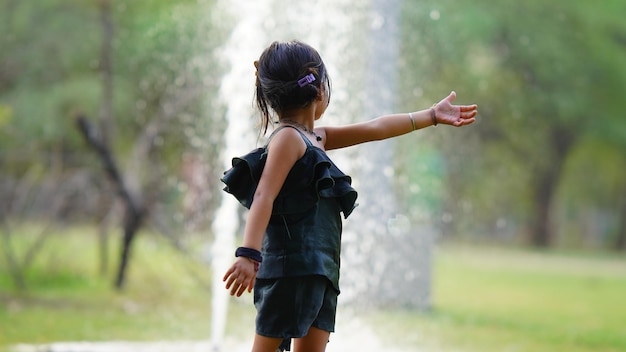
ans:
(514, 300)
(483, 299)
(167, 296)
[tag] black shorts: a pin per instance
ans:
(288, 307)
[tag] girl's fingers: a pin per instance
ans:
(230, 282)
(450, 98)
(233, 291)
(228, 273)
(465, 122)
(251, 283)
(233, 284)
(242, 288)
(465, 108)
(238, 283)
(239, 279)
(469, 114)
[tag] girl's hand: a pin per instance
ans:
(455, 115)
(240, 276)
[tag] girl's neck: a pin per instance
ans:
(300, 126)
(298, 118)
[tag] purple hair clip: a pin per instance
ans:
(306, 80)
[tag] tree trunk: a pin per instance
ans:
(620, 242)
(132, 223)
(545, 185)
(103, 238)
(15, 271)
(134, 208)
(133, 212)
(541, 234)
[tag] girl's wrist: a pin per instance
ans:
(433, 114)
(251, 254)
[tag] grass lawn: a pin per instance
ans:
(484, 299)
(487, 299)
(167, 296)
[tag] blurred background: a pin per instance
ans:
(117, 119)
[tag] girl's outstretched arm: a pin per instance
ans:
(393, 125)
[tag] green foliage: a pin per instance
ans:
(420, 185)
(165, 77)
(6, 114)
(600, 168)
(547, 78)
(166, 57)
(162, 53)
(48, 121)
(48, 50)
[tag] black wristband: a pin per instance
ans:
(249, 253)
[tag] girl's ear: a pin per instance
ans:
(320, 93)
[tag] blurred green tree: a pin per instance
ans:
(547, 78)
(146, 69)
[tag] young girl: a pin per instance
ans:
(295, 193)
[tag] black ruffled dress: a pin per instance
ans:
(303, 236)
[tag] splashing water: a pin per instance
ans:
(236, 92)
(257, 25)
(335, 28)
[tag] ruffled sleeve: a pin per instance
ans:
(312, 177)
(243, 177)
(341, 189)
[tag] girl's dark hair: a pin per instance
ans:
(279, 69)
